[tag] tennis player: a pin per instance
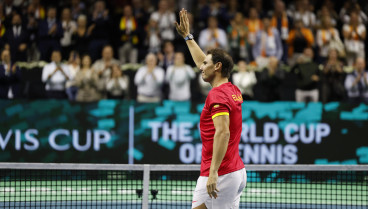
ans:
(223, 176)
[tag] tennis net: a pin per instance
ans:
(108, 186)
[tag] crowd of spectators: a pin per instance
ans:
(302, 50)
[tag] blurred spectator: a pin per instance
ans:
(139, 13)
(254, 24)
(50, 32)
(33, 53)
(303, 12)
(232, 8)
(87, 82)
(74, 67)
(237, 34)
(196, 11)
(245, 79)
(55, 75)
(77, 8)
(148, 80)
(213, 36)
(165, 19)
(128, 36)
(299, 38)
(102, 67)
(307, 75)
(214, 8)
(324, 12)
(281, 21)
(40, 12)
(19, 3)
(8, 11)
(167, 58)
(348, 8)
(9, 8)
(270, 81)
(9, 77)
(333, 79)
(69, 28)
(328, 37)
(328, 7)
(179, 76)
(99, 29)
(81, 36)
(257, 5)
(268, 42)
(148, 7)
(153, 39)
(2, 21)
(356, 83)
(344, 12)
(16, 39)
(117, 86)
(354, 37)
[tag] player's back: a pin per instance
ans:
(225, 99)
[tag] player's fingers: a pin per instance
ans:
(210, 190)
(186, 17)
(176, 25)
(216, 189)
(181, 16)
(212, 187)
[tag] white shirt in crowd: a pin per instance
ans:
(326, 35)
(149, 84)
(354, 44)
(308, 18)
(117, 86)
(58, 80)
(245, 82)
(353, 91)
(69, 28)
(179, 80)
(166, 25)
(208, 40)
(73, 71)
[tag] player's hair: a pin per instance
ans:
(220, 55)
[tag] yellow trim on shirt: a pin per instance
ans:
(219, 113)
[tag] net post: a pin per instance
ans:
(146, 180)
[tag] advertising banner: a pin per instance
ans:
(114, 131)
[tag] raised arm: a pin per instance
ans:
(183, 30)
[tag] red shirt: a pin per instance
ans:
(225, 99)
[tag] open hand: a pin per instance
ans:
(183, 28)
(212, 185)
